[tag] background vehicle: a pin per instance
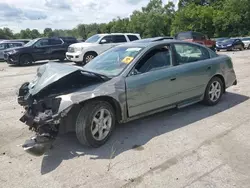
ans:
(4, 45)
(230, 44)
(196, 37)
(36, 50)
(18, 40)
(82, 53)
(246, 42)
(126, 82)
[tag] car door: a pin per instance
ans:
(105, 43)
(194, 67)
(151, 83)
(118, 39)
(57, 50)
(41, 49)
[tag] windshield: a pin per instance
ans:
(113, 62)
(220, 39)
(245, 39)
(30, 43)
(229, 40)
(93, 39)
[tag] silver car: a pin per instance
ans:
(246, 42)
(4, 45)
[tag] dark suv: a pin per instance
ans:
(39, 49)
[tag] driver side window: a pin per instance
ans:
(42, 43)
(156, 59)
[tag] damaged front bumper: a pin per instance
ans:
(42, 117)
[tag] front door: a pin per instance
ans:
(41, 50)
(151, 84)
(105, 43)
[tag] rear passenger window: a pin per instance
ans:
(119, 38)
(132, 37)
(190, 53)
(55, 41)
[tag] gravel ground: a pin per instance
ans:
(194, 147)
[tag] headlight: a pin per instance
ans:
(79, 49)
(12, 52)
(229, 45)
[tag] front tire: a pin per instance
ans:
(95, 123)
(25, 60)
(88, 57)
(213, 91)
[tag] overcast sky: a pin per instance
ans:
(63, 14)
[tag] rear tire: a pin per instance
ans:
(25, 60)
(241, 48)
(214, 91)
(95, 123)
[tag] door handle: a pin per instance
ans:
(172, 79)
(209, 68)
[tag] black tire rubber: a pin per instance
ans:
(84, 119)
(62, 59)
(242, 48)
(248, 46)
(25, 60)
(217, 50)
(87, 54)
(206, 99)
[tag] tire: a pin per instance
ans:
(25, 60)
(61, 59)
(248, 46)
(241, 48)
(88, 57)
(86, 126)
(208, 96)
(218, 50)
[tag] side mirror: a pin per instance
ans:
(103, 41)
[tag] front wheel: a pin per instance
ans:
(88, 57)
(241, 48)
(213, 91)
(95, 123)
(25, 60)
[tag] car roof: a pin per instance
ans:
(155, 43)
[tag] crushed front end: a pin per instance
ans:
(41, 116)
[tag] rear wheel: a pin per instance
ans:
(213, 91)
(95, 123)
(25, 60)
(241, 48)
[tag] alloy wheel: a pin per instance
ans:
(214, 91)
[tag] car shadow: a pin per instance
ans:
(135, 134)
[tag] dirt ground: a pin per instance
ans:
(194, 147)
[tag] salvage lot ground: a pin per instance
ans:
(194, 147)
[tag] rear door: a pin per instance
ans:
(57, 50)
(41, 49)
(151, 84)
(194, 69)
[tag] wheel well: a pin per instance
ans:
(222, 79)
(91, 52)
(26, 54)
(110, 100)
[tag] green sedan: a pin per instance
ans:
(127, 82)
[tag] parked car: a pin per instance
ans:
(126, 82)
(246, 41)
(82, 53)
(196, 37)
(153, 39)
(36, 50)
(230, 44)
(4, 45)
(18, 40)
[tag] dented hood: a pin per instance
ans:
(50, 73)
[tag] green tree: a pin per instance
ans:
(48, 32)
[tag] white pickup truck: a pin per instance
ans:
(83, 52)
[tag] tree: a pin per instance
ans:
(81, 31)
(48, 32)
(34, 33)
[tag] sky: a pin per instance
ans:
(63, 14)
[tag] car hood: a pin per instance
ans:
(15, 48)
(83, 44)
(56, 78)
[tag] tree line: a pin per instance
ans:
(216, 18)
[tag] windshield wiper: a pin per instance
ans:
(103, 77)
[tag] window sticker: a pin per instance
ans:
(127, 59)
